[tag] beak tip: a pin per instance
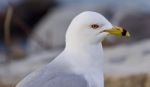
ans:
(128, 34)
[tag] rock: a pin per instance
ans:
(125, 66)
(128, 59)
(13, 72)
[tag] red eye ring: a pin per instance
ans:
(95, 26)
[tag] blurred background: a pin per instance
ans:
(32, 33)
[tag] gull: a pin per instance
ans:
(81, 62)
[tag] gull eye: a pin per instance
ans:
(94, 26)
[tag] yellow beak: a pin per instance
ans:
(118, 31)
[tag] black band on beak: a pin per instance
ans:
(124, 32)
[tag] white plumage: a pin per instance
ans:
(81, 62)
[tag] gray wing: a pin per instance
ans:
(61, 80)
(53, 76)
(67, 81)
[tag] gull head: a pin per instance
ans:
(91, 28)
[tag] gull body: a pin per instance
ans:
(81, 62)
